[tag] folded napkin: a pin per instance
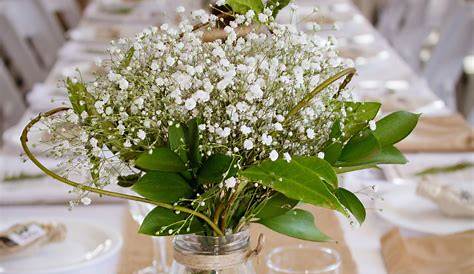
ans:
(446, 254)
(442, 133)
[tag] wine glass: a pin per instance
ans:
(304, 259)
(159, 265)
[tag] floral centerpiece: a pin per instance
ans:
(218, 135)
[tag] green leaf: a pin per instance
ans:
(277, 5)
(300, 179)
(128, 181)
(276, 205)
(160, 220)
(177, 140)
(352, 203)
(216, 168)
(340, 170)
(395, 127)
(128, 57)
(360, 146)
(163, 187)
(332, 152)
(296, 223)
(358, 116)
(162, 159)
(387, 155)
(242, 6)
(192, 141)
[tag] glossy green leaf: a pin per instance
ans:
(162, 159)
(395, 127)
(192, 141)
(387, 155)
(216, 168)
(277, 5)
(340, 170)
(160, 220)
(242, 6)
(360, 146)
(332, 152)
(162, 186)
(300, 179)
(177, 141)
(128, 181)
(352, 203)
(296, 223)
(358, 116)
(276, 205)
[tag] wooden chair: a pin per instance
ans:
(62, 14)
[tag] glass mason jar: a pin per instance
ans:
(230, 254)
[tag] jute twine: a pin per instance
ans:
(214, 262)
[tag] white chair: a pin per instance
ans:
(27, 40)
(11, 102)
(63, 14)
(456, 42)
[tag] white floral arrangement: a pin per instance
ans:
(224, 133)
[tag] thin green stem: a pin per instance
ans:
(24, 141)
(348, 72)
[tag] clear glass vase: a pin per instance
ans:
(194, 254)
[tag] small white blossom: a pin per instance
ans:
(310, 133)
(86, 200)
(321, 155)
(273, 155)
(190, 104)
(123, 84)
(287, 157)
(230, 182)
(141, 134)
(266, 139)
(372, 125)
(248, 144)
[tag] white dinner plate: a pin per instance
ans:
(87, 249)
(401, 206)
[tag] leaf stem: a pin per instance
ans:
(24, 140)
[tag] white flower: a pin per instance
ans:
(372, 125)
(109, 111)
(159, 81)
(127, 143)
(287, 157)
(123, 84)
(190, 104)
(248, 144)
(310, 133)
(321, 155)
(154, 65)
(262, 17)
(273, 155)
(111, 76)
(245, 130)
(230, 182)
(266, 139)
(278, 126)
(141, 134)
(201, 96)
(86, 200)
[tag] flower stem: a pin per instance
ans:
(348, 72)
(24, 140)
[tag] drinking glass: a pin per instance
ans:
(159, 263)
(304, 259)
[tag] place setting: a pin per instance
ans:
(234, 137)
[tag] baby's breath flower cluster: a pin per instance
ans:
(241, 89)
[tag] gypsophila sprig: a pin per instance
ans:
(218, 134)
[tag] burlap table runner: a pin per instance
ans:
(446, 254)
(137, 251)
(440, 134)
